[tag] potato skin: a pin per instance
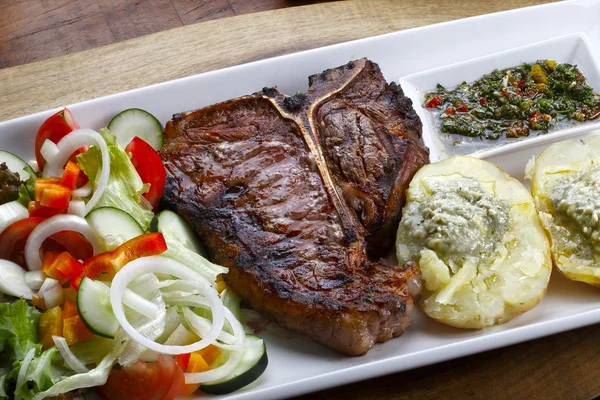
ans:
(498, 286)
(559, 161)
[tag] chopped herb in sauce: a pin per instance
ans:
(515, 102)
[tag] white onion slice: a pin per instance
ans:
(234, 358)
(47, 284)
(11, 212)
(24, 367)
(54, 296)
(67, 146)
(34, 279)
(201, 326)
(72, 361)
(49, 150)
(12, 280)
(157, 264)
(140, 304)
(77, 207)
(83, 191)
(51, 226)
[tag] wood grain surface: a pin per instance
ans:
(562, 366)
(190, 49)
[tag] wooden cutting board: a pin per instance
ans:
(560, 366)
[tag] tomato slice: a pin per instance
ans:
(149, 165)
(14, 237)
(54, 128)
(161, 380)
(73, 242)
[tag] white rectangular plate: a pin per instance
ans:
(298, 365)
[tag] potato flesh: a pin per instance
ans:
(495, 283)
(556, 173)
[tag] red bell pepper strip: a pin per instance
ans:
(183, 360)
(434, 102)
(111, 262)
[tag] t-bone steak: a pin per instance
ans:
(300, 198)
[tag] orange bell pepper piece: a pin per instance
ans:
(37, 302)
(75, 331)
(51, 324)
(55, 196)
(61, 266)
(37, 210)
(70, 294)
(70, 175)
(210, 353)
(42, 183)
(196, 364)
(69, 309)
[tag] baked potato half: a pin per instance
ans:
(474, 232)
(565, 184)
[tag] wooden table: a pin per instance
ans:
(562, 366)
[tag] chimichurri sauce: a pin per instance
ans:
(514, 102)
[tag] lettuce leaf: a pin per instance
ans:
(177, 251)
(125, 187)
(45, 371)
(18, 335)
(18, 329)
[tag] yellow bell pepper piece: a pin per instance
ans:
(538, 74)
(75, 330)
(51, 324)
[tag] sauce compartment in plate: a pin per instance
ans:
(573, 49)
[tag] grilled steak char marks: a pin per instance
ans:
(289, 193)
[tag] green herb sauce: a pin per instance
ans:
(513, 103)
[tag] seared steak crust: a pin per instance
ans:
(290, 193)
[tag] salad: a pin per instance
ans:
(100, 295)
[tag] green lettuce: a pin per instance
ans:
(44, 371)
(19, 335)
(125, 187)
(177, 251)
(18, 330)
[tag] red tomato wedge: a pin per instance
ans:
(149, 165)
(161, 380)
(14, 237)
(54, 128)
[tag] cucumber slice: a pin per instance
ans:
(253, 364)
(93, 302)
(17, 165)
(137, 122)
(113, 226)
(173, 225)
